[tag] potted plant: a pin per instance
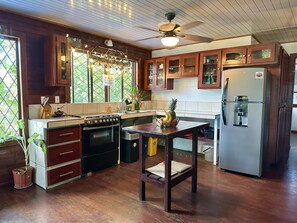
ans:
(137, 96)
(23, 176)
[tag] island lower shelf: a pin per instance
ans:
(160, 181)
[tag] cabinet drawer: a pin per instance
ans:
(54, 136)
(63, 153)
(63, 173)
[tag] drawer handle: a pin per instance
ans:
(71, 151)
(65, 174)
(66, 134)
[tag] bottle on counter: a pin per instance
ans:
(108, 110)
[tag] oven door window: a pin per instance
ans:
(101, 137)
(100, 140)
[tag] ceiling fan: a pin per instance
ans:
(171, 32)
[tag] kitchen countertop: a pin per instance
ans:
(55, 122)
(69, 120)
(134, 114)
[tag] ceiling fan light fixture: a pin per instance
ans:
(170, 41)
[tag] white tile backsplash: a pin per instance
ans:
(181, 106)
(75, 109)
(204, 106)
(216, 107)
(91, 108)
(191, 106)
(34, 111)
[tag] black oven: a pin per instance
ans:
(100, 142)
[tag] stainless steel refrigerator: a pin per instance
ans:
(245, 103)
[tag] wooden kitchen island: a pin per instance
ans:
(152, 130)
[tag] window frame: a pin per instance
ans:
(19, 76)
(90, 79)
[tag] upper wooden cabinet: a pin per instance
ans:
(56, 61)
(235, 55)
(263, 53)
(210, 69)
(185, 65)
(154, 74)
(254, 54)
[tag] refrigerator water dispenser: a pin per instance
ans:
(241, 111)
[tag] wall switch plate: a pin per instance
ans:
(57, 99)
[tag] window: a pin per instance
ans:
(87, 80)
(9, 84)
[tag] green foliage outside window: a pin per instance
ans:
(9, 85)
(80, 81)
(87, 80)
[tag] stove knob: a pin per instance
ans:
(104, 120)
(89, 122)
(96, 121)
(100, 121)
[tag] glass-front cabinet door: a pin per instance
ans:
(57, 61)
(234, 56)
(63, 63)
(262, 53)
(190, 65)
(160, 74)
(154, 74)
(210, 69)
(149, 74)
(173, 66)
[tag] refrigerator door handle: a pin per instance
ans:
(224, 100)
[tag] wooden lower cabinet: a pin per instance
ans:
(62, 161)
(63, 153)
(63, 173)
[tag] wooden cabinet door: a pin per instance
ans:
(63, 61)
(149, 73)
(235, 55)
(160, 77)
(56, 61)
(154, 74)
(173, 67)
(189, 65)
(210, 69)
(262, 53)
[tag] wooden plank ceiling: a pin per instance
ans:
(267, 20)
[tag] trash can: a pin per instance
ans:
(208, 153)
(129, 147)
(152, 146)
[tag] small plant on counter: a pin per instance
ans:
(137, 96)
(25, 145)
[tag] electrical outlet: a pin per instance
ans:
(57, 99)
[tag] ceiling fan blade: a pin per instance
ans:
(190, 26)
(148, 38)
(142, 27)
(196, 38)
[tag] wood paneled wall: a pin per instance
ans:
(282, 80)
(11, 156)
(32, 33)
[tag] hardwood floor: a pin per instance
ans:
(111, 195)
